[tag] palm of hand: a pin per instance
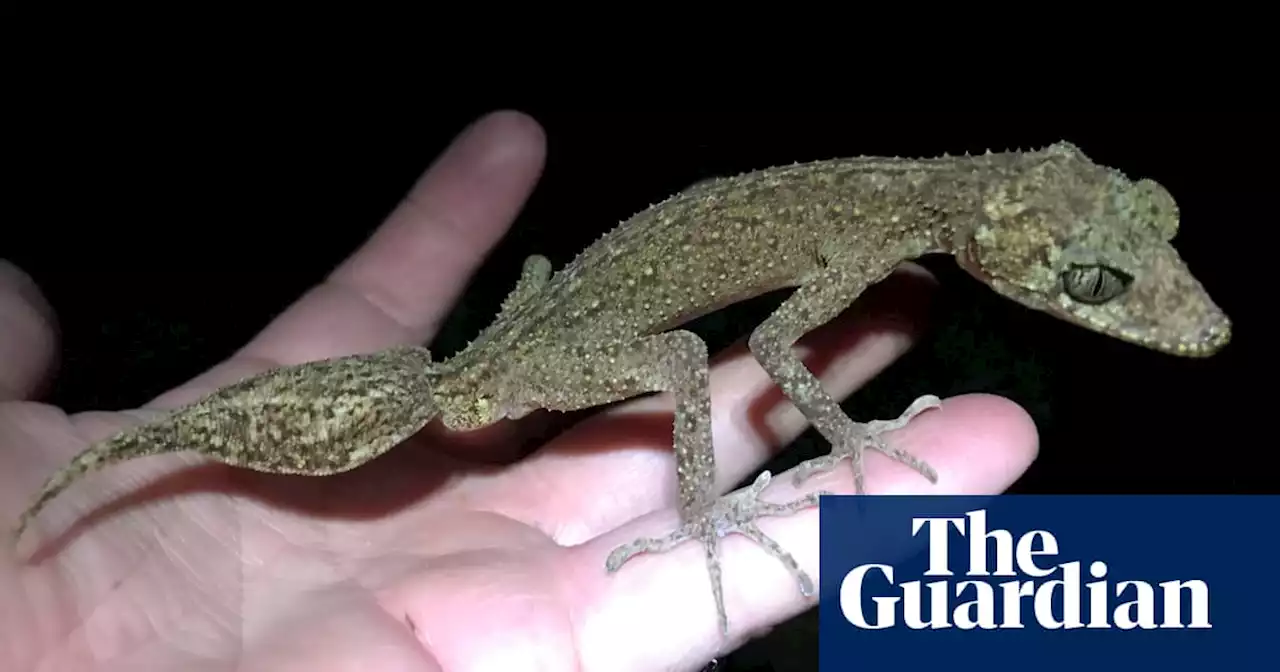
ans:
(423, 559)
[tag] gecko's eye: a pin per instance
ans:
(1095, 283)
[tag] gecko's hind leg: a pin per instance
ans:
(674, 362)
(733, 513)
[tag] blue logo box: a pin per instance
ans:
(1071, 582)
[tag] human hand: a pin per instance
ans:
(433, 556)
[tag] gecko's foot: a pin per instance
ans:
(861, 436)
(735, 512)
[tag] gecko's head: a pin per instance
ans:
(1083, 242)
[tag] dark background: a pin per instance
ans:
(168, 217)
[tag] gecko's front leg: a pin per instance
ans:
(815, 303)
(676, 362)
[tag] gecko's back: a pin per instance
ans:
(731, 239)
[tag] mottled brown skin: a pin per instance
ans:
(1049, 229)
(316, 418)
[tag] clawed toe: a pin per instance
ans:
(733, 513)
(861, 436)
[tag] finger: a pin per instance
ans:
(979, 444)
(28, 345)
(398, 286)
(620, 465)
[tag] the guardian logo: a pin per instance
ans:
(1008, 581)
(1051, 583)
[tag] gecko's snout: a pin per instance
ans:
(1213, 336)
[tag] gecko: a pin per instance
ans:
(1050, 229)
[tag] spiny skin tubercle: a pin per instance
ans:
(1049, 229)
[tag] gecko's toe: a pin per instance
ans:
(857, 437)
(624, 553)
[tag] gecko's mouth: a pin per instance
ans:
(1174, 335)
(1214, 336)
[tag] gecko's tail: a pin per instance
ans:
(314, 419)
(147, 439)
